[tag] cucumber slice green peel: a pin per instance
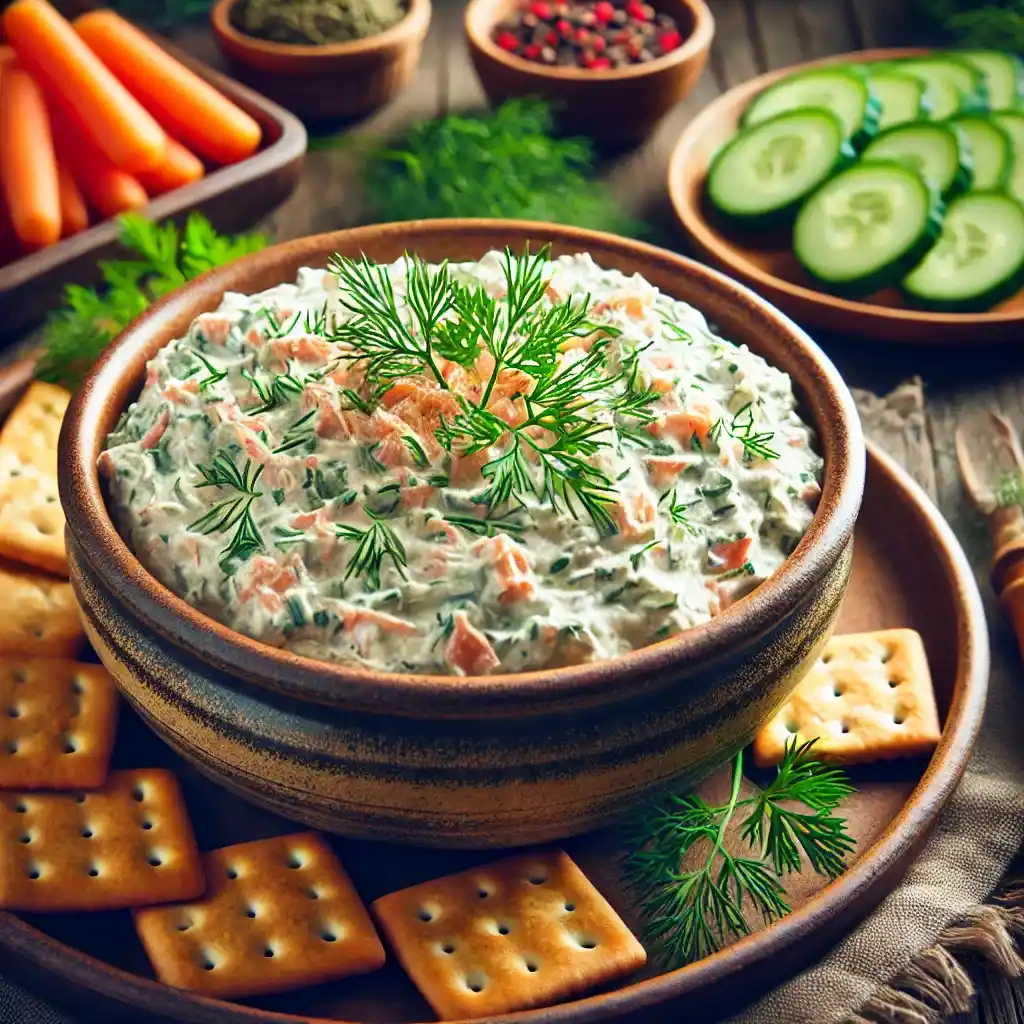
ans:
(1004, 76)
(903, 97)
(978, 261)
(762, 175)
(991, 151)
(938, 152)
(845, 92)
(1012, 123)
(943, 72)
(867, 227)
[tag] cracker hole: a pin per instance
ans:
(537, 876)
(94, 872)
(146, 826)
(899, 718)
(34, 873)
(425, 915)
(313, 894)
(328, 936)
(138, 794)
(504, 929)
(70, 746)
(893, 683)
(14, 712)
(792, 728)
(208, 965)
(844, 728)
(251, 912)
(11, 746)
(183, 926)
(294, 861)
(38, 632)
(154, 860)
(531, 965)
(232, 874)
(87, 833)
(268, 952)
(77, 686)
(570, 907)
(585, 941)
(19, 675)
(826, 657)
(475, 982)
(25, 838)
(447, 949)
(886, 655)
(79, 798)
(21, 808)
(483, 892)
(837, 691)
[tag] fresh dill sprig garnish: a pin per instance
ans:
(374, 543)
(278, 392)
(485, 527)
(677, 510)
(692, 911)
(301, 432)
(232, 513)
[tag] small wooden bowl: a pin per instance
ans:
(327, 82)
(619, 107)
(437, 760)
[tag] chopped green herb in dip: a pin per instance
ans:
(467, 468)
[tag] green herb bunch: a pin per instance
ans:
(501, 163)
(994, 26)
(167, 257)
(691, 912)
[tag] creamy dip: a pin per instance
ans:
(599, 475)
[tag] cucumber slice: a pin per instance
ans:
(1013, 124)
(991, 151)
(762, 175)
(867, 227)
(954, 84)
(903, 97)
(978, 261)
(846, 93)
(938, 152)
(1004, 76)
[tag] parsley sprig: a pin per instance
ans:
(691, 912)
(233, 512)
(167, 257)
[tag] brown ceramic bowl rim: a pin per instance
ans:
(415, 21)
(92, 529)
(479, 33)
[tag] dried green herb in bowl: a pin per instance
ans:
(316, 22)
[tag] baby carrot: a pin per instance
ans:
(115, 121)
(74, 216)
(108, 189)
(180, 167)
(190, 109)
(28, 167)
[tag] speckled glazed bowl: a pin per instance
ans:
(437, 760)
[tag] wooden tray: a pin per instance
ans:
(232, 197)
(908, 571)
(767, 263)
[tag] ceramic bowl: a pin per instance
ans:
(492, 761)
(620, 107)
(320, 83)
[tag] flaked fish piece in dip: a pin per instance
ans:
(467, 468)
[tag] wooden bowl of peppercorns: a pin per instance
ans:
(611, 68)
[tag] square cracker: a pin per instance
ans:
(38, 614)
(126, 845)
(31, 519)
(869, 697)
(278, 914)
(57, 723)
(520, 933)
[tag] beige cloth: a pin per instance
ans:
(978, 833)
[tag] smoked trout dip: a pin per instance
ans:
(479, 467)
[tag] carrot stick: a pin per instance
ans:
(108, 189)
(180, 167)
(28, 167)
(74, 216)
(190, 109)
(115, 121)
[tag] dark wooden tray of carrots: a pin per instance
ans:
(98, 118)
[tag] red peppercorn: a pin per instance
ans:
(582, 36)
(670, 41)
(507, 41)
(541, 9)
(563, 27)
(597, 63)
(551, 38)
(604, 11)
(532, 52)
(637, 10)
(598, 44)
(633, 50)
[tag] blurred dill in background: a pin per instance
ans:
(977, 23)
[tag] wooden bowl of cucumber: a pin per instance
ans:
(878, 193)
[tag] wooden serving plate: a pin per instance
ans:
(766, 261)
(233, 197)
(908, 570)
